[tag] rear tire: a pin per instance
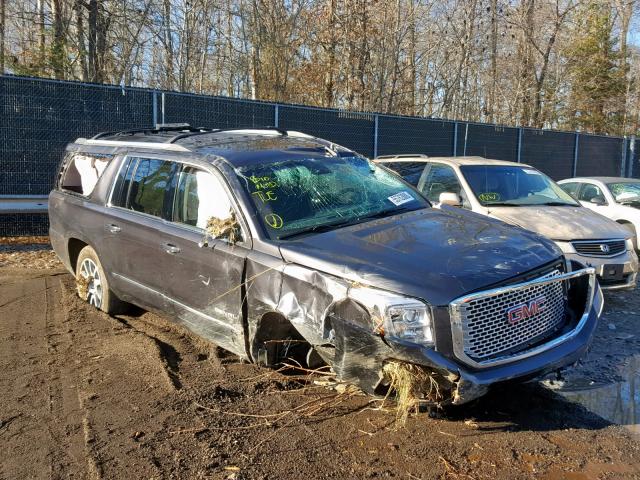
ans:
(92, 284)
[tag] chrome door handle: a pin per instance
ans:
(170, 248)
(113, 228)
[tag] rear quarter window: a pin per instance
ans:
(409, 171)
(81, 171)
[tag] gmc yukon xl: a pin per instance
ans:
(267, 241)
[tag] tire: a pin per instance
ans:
(92, 284)
(632, 230)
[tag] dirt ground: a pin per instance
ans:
(85, 395)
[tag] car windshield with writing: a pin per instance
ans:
(312, 195)
(625, 192)
(512, 186)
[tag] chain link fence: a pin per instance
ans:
(38, 117)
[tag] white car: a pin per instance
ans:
(616, 198)
(521, 195)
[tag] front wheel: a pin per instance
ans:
(92, 284)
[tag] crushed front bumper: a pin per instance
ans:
(471, 382)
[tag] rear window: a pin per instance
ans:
(82, 171)
(410, 171)
(144, 185)
(149, 186)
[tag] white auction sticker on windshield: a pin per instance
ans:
(531, 172)
(400, 198)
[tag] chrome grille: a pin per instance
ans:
(600, 248)
(488, 330)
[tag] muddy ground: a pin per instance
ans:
(84, 395)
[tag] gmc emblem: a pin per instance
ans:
(526, 310)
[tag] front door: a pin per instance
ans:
(207, 273)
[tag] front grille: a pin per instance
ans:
(488, 330)
(600, 248)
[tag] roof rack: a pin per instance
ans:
(281, 131)
(402, 155)
(159, 128)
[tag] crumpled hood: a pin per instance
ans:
(437, 255)
(561, 223)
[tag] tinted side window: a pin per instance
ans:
(410, 171)
(571, 188)
(149, 185)
(200, 196)
(123, 180)
(440, 179)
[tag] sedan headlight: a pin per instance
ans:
(629, 243)
(566, 247)
(395, 315)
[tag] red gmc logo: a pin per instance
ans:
(526, 310)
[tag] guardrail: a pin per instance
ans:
(23, 204)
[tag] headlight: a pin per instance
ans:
(629, 244)
(566, 247)
(395, 315)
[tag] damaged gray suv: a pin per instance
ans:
(273, 243)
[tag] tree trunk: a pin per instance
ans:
(58, 50)
(333, 42)
(42, 39)
(93, 34)
(3, 14)
(491, 107)
(82, 48)
(168, 45)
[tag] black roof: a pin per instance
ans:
(238, 146)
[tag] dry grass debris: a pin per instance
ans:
(413, 385)
(227, 228)
(82, 286)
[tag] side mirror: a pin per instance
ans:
(450, 198)
(599, 200)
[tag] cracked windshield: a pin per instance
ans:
(507, 186)
(300, 196)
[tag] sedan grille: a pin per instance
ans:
(512, 320)
(600, 248)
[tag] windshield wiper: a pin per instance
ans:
(557, 204)
(388, 213)
(325, 227)
(504, 204)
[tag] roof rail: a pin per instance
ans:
(401, 155)
(125, 143)
(203, 131)
(159, 128)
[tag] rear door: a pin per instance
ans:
(134, 238)
(207, 272)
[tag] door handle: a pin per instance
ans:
(170, 248)
(113, 228)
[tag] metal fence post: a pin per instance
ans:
(632, 151)
(455, 139)
(155, 108)
(575, 155)
(519, 152)
(163, 108)
(276, 116)
(466, 134)
(623, 158)
(375, 135)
